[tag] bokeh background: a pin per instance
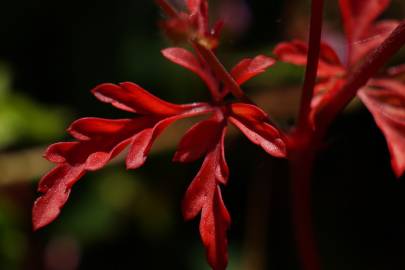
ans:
(53, 52)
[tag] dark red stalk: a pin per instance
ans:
(303, 156)
(167, 8)
(220, 71)
(301, 163)
(312, 62)
(303, 153)
(209, 56)
(359, 77)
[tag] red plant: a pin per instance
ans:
(100, 140)
(384, 95)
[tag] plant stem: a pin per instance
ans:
(209, 56)
(303, 153)
(312, 62)
(167, 8)
(301, 163)
(337, 100)
(221, 72)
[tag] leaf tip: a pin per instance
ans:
(41, 215)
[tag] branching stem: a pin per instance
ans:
(221, 72)
(302, 157)
(209, 56)
(358, 78)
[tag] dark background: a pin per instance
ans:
(53, 52)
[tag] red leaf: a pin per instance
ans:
(57, 153)
(199, 14)
(99, 159)
(56, 186)
(140, 147)
(324, 87)
(91, 128)
(200, 191)
(385, 99)
(75, 158)
(131, 97)
(177, 28)
(187, 60)
(222, 171)
(183, 58)
(358, 18)
(295, 52)
(359, 15)
(249, 68)
(253, 122)
(396, 71)
(217, 29)
(203, 195)
(375, 36)
(142, 142)
(100, 140)
(99, 148)
(194, 5)
(92, 154)
(199, 139)
(215, 221)
(328, 56)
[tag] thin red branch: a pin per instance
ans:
(167, 8)
(358, 78)
(214, 88)
(221, 72)
(312, 62)
(212, 60)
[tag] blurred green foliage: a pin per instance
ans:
(24, 121)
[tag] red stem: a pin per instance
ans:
(167, 8)
(312, 62)
(301, 163)
(303, 156)
(210, 58)
(221, 72)
(214, 85)
(358, 78)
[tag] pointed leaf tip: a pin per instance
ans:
(199, 139)
(131, 97)
(187, 60)
(204, 195)
(296, 51)
(249, 68)
(183, 58)
(253, 122)
(56, 188)
(140, 146)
